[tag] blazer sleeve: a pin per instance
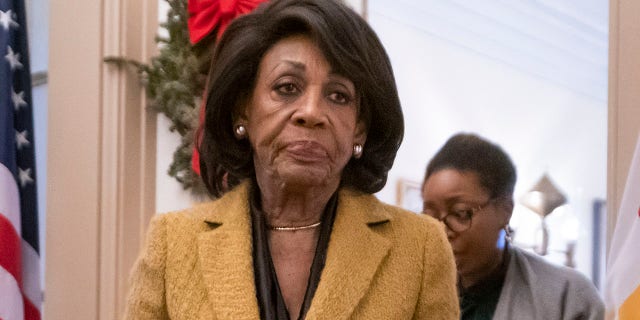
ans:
(438, 295)
(146, 298)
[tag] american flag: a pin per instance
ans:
(20, 292)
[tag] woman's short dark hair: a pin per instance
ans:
(349, 45)
(470, 152)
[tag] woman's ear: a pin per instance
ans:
(360, 136)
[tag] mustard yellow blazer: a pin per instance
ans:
(382, 263)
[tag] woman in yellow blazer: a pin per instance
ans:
(382, 263)
(302, 124)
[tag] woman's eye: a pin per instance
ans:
(340, 98)
(287, 89)
(463, 214)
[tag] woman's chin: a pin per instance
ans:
(306, 175)
(301, 181)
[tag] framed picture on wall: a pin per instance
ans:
(409, 195)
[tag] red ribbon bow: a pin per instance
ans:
(206, 15)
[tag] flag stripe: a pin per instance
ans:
(11, 304)
(9, 198)
(31, 274)
(10, 247)
(30, 310)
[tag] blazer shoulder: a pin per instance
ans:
(381, 215)
(228, 208)
(197, 212)
(411, 220)
(192, 220)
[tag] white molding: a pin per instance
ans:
(101, 151)
(624, 102)
(73, 153)
(128, 170)
(111, 162)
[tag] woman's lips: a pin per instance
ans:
(306, 151)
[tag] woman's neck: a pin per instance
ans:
(286, 205)
(492, 265)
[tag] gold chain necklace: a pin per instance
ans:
(295, 228)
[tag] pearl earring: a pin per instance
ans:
(240, 131)
(357, 151)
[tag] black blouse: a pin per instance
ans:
(479, 301)
(270, 300)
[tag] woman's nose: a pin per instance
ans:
(310, 112)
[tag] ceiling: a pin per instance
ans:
(562, 41)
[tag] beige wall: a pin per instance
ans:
(624, 98)
(101, 155)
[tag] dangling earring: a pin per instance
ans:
(508, 233)
(357, 151)
(240, 131)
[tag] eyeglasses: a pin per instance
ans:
(459, 216)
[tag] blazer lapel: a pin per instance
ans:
(353, 256)
(225, 257)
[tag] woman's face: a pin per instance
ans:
(302, 117)
(476, 249)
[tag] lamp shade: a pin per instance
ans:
(544, 197)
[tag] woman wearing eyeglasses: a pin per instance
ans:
(468, 186)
